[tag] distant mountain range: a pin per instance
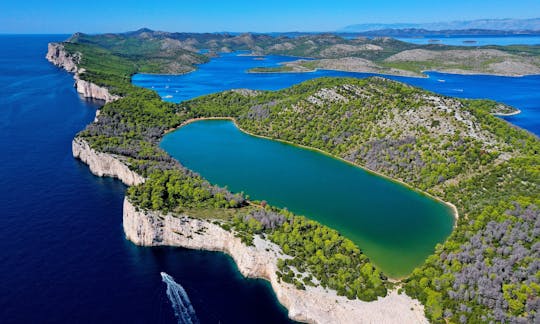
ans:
(532, 24)
(414, 32)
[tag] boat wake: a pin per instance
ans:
(183, 310)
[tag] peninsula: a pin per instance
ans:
(172, 53)
(451, 148)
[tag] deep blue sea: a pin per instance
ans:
(229, 72)
(63, 255)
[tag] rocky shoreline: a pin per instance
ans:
(313, 305)
(348, 64)
(57, 55)
(104, 164)
(150, 228)
(471, 62)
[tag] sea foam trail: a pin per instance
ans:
(180, 301)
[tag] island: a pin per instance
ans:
(414, 62)
(453, 149)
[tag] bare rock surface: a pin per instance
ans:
(104, 164)
(355, 64)
(58, 56)
(313, 305)
(479, 61)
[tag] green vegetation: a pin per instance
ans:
(487, 271)
(499, 60)
(104, 68)
(419, 66)
(320, 255)
(532, 50)
(131, 128)
(273, 69)
(174, 191)
(363, 129)
(109, 58)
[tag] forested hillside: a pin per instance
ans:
(110, 58)
(488, 270)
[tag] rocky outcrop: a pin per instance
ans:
(356, 64)
(471, 61)
(347, 64)
(104, 164)
(313, 305)
(58, 56)
(91, 90)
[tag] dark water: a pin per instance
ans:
(396, 227)
(63, 256)
(229, 72)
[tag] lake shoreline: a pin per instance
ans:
(454, 209)
(313, 305)
(336, 157)
(309, 305)
(398, 304)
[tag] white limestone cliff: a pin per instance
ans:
(313, 305)
(104, 164)
(58, 56)
(91, 90)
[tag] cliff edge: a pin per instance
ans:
(313, 305)
(104, 164)
(57, 55)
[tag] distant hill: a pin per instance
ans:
(486, 24)
(412, 32)
(150, 51)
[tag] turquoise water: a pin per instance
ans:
(374, 223)
(64, 257)
(395, 226)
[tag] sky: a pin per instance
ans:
(99, 16)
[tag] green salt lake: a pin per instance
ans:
(395, 226)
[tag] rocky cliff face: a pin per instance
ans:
(90, 90)
(313, 305)
(103, 164)
(57, 55)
